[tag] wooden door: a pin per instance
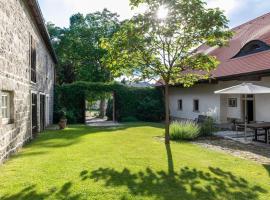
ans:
(42, 112)
(34, 115)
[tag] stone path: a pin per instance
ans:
(97, 122)
(258, 152)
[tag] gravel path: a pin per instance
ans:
(96, 122)
(259, 153)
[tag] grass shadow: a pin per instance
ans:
(29, 154)
(31, 193)
(188, 183)
(267, 167)
(170, 160)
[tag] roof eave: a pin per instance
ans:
(37, 15)
(261, 73)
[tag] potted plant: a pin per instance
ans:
(63, 120)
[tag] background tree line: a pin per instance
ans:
(78, 46)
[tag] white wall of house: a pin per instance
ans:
(209, 104)
(262, 103)
(234, 112)
(216, 106)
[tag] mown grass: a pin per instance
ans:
(128, 162)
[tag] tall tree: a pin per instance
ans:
(161, 43)
(78, 47)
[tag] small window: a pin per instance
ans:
(180, 104)
(5, 107)
(47, 67)
(33, 59)
(232, 102)
(252, 47)
(196, 106)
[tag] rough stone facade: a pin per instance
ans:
(17, 26)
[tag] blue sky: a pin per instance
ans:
(59, 11)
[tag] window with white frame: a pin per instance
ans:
(5, 107)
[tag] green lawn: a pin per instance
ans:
(127, 163)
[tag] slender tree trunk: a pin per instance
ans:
(102, 108)
(114, 116)
(167, 115)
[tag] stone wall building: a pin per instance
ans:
(27, 65)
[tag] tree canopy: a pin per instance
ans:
(153, 47)
(78, 46)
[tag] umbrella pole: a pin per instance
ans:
(245, 115)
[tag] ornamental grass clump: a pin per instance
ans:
(187, 130)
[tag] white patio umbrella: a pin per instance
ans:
(245, 89)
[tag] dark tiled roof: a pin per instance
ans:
(39, 20)
(257, 29)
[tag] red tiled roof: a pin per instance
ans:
(257, 29)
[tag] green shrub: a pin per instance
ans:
(71, 116)
(60, 114)
(208, 127)
(150, 109)
(129, 119)
(145, 104)
(184, 130)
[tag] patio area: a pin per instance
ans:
(257, 133)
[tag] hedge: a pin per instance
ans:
(145, 104)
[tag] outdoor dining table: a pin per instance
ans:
(256, 126)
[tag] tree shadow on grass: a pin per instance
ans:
(31, 193)
(188, 183)
(267, 167)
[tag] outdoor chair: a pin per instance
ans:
(240, 126)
